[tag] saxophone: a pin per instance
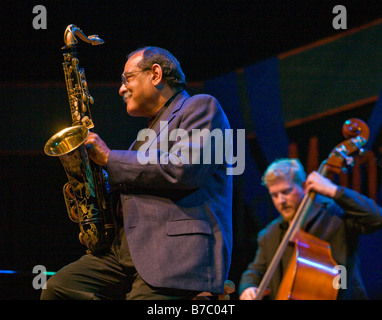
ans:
(87, 194)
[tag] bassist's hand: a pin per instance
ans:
(318, 183)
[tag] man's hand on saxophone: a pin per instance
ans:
(97, 149)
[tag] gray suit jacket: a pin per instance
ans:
(338, 222)
(177, 216)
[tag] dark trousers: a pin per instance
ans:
(111, 276)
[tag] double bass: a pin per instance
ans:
(312, 271)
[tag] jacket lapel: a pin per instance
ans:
(171, 111)
(168, 115)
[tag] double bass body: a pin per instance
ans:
(311, 272)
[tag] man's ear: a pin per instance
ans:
(156, 74)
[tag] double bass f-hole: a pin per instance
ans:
(317, 273)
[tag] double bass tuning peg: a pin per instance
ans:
(349, 161)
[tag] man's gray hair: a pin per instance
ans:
(172, 72)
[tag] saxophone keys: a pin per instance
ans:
(69, 191)
(75, 62)
(83, 108)
(73, 214)
(85, 119)
(81, 238)
(76, 116)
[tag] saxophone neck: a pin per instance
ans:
(78, 93)
(72, 31)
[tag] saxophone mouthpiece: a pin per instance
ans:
(95, 40)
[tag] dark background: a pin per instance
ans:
(210, 38)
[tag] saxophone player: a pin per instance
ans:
(176, 237)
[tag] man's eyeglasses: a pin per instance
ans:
(127, 75)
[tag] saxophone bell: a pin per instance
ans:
(86, 203)
(66, 140)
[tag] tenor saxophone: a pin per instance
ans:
(87, 194)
